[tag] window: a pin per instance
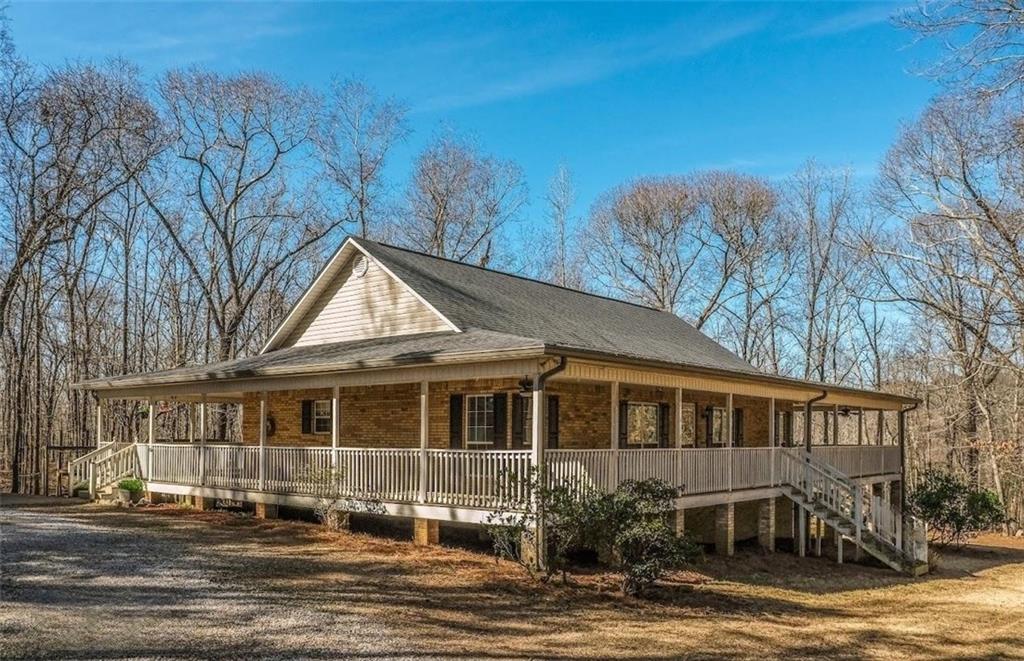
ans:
(642, 425)
(322, 416)
(479, 420)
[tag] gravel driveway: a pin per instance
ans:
(76, 582)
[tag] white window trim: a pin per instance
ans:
(657, 424)
(329, 416)
(465, 422)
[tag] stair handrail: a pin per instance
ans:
(78, 469)
(882, 521)
(122, 463)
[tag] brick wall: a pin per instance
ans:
(388, 416)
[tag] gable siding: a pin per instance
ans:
(353, 308)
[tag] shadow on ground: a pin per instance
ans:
(89, 581)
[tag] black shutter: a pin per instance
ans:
(709, 426)
(664, 419)
(553, 422)
(623, 423)
(455, 422)
(307, 416)
(498, 440)
(737, 428)
(788, 418)
(518, 422)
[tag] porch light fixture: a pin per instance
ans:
(526, 384)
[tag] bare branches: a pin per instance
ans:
(460, 201)
(355, 136)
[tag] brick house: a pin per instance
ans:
(419, 381)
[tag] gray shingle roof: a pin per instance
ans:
(377, 352)
(474, 297)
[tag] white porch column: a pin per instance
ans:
(679, 438)
(614, 440)
(835, 424)
(772, 441)
(537, 428)
(728, 433)
(424, 437)
(99, 422)
(202, 440)
(262, 479)
(152, 437)
(335, 429)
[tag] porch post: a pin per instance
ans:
(771, 440)
(263, 443)
(835, 424)
(860, 426)
(202, 440)
(537, 459)
(152, 435)
(901, 435)
(679, 437)
(99, 422)
(335, 430)
(424, 437)
(614, 440)
(805, 517)
(728, 433)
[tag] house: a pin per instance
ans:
(419, 382)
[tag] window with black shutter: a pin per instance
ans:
(644, 428)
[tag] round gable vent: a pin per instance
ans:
(359, 266)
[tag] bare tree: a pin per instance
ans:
(228, 191)
(460, 201)
(355, 136)
(983, 41)
(563, 265)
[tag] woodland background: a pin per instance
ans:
(148, 225)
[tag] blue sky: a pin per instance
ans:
(614, 91)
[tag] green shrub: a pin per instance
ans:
(953, 510)
(627, 527)
(131, 484)
(646, 549)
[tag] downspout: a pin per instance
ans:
(560, 367)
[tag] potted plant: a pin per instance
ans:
(129, 491)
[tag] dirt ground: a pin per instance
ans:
(90, 581)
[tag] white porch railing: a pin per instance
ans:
(471, 478)
(860, 460)
(80, 467)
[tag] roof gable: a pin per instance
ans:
(474, 297)
(355, 298)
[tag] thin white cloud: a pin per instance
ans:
(851, 21)
(596, 63)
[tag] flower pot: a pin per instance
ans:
(125, 497)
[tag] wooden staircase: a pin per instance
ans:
(871, 524)
(105, 466)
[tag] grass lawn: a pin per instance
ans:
(455, 602)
